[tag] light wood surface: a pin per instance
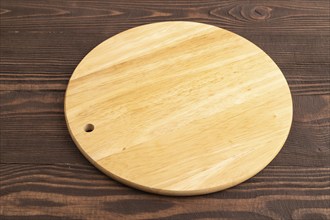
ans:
(178, 108)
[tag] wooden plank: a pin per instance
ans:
(32, 125)
(95, 17)
(306, 66)
(283, 29)
(76, 191)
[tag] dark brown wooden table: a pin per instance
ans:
(44, 176)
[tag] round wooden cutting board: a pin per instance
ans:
(178, 108)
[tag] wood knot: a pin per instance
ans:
(261, 12)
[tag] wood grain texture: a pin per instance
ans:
(77, 191)
(34, 75)
(295, 34)
(25, 143)
(178, 108)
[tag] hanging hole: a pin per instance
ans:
(89, 128)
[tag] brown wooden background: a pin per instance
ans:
(44, 176)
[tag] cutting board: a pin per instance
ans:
(178, 108)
